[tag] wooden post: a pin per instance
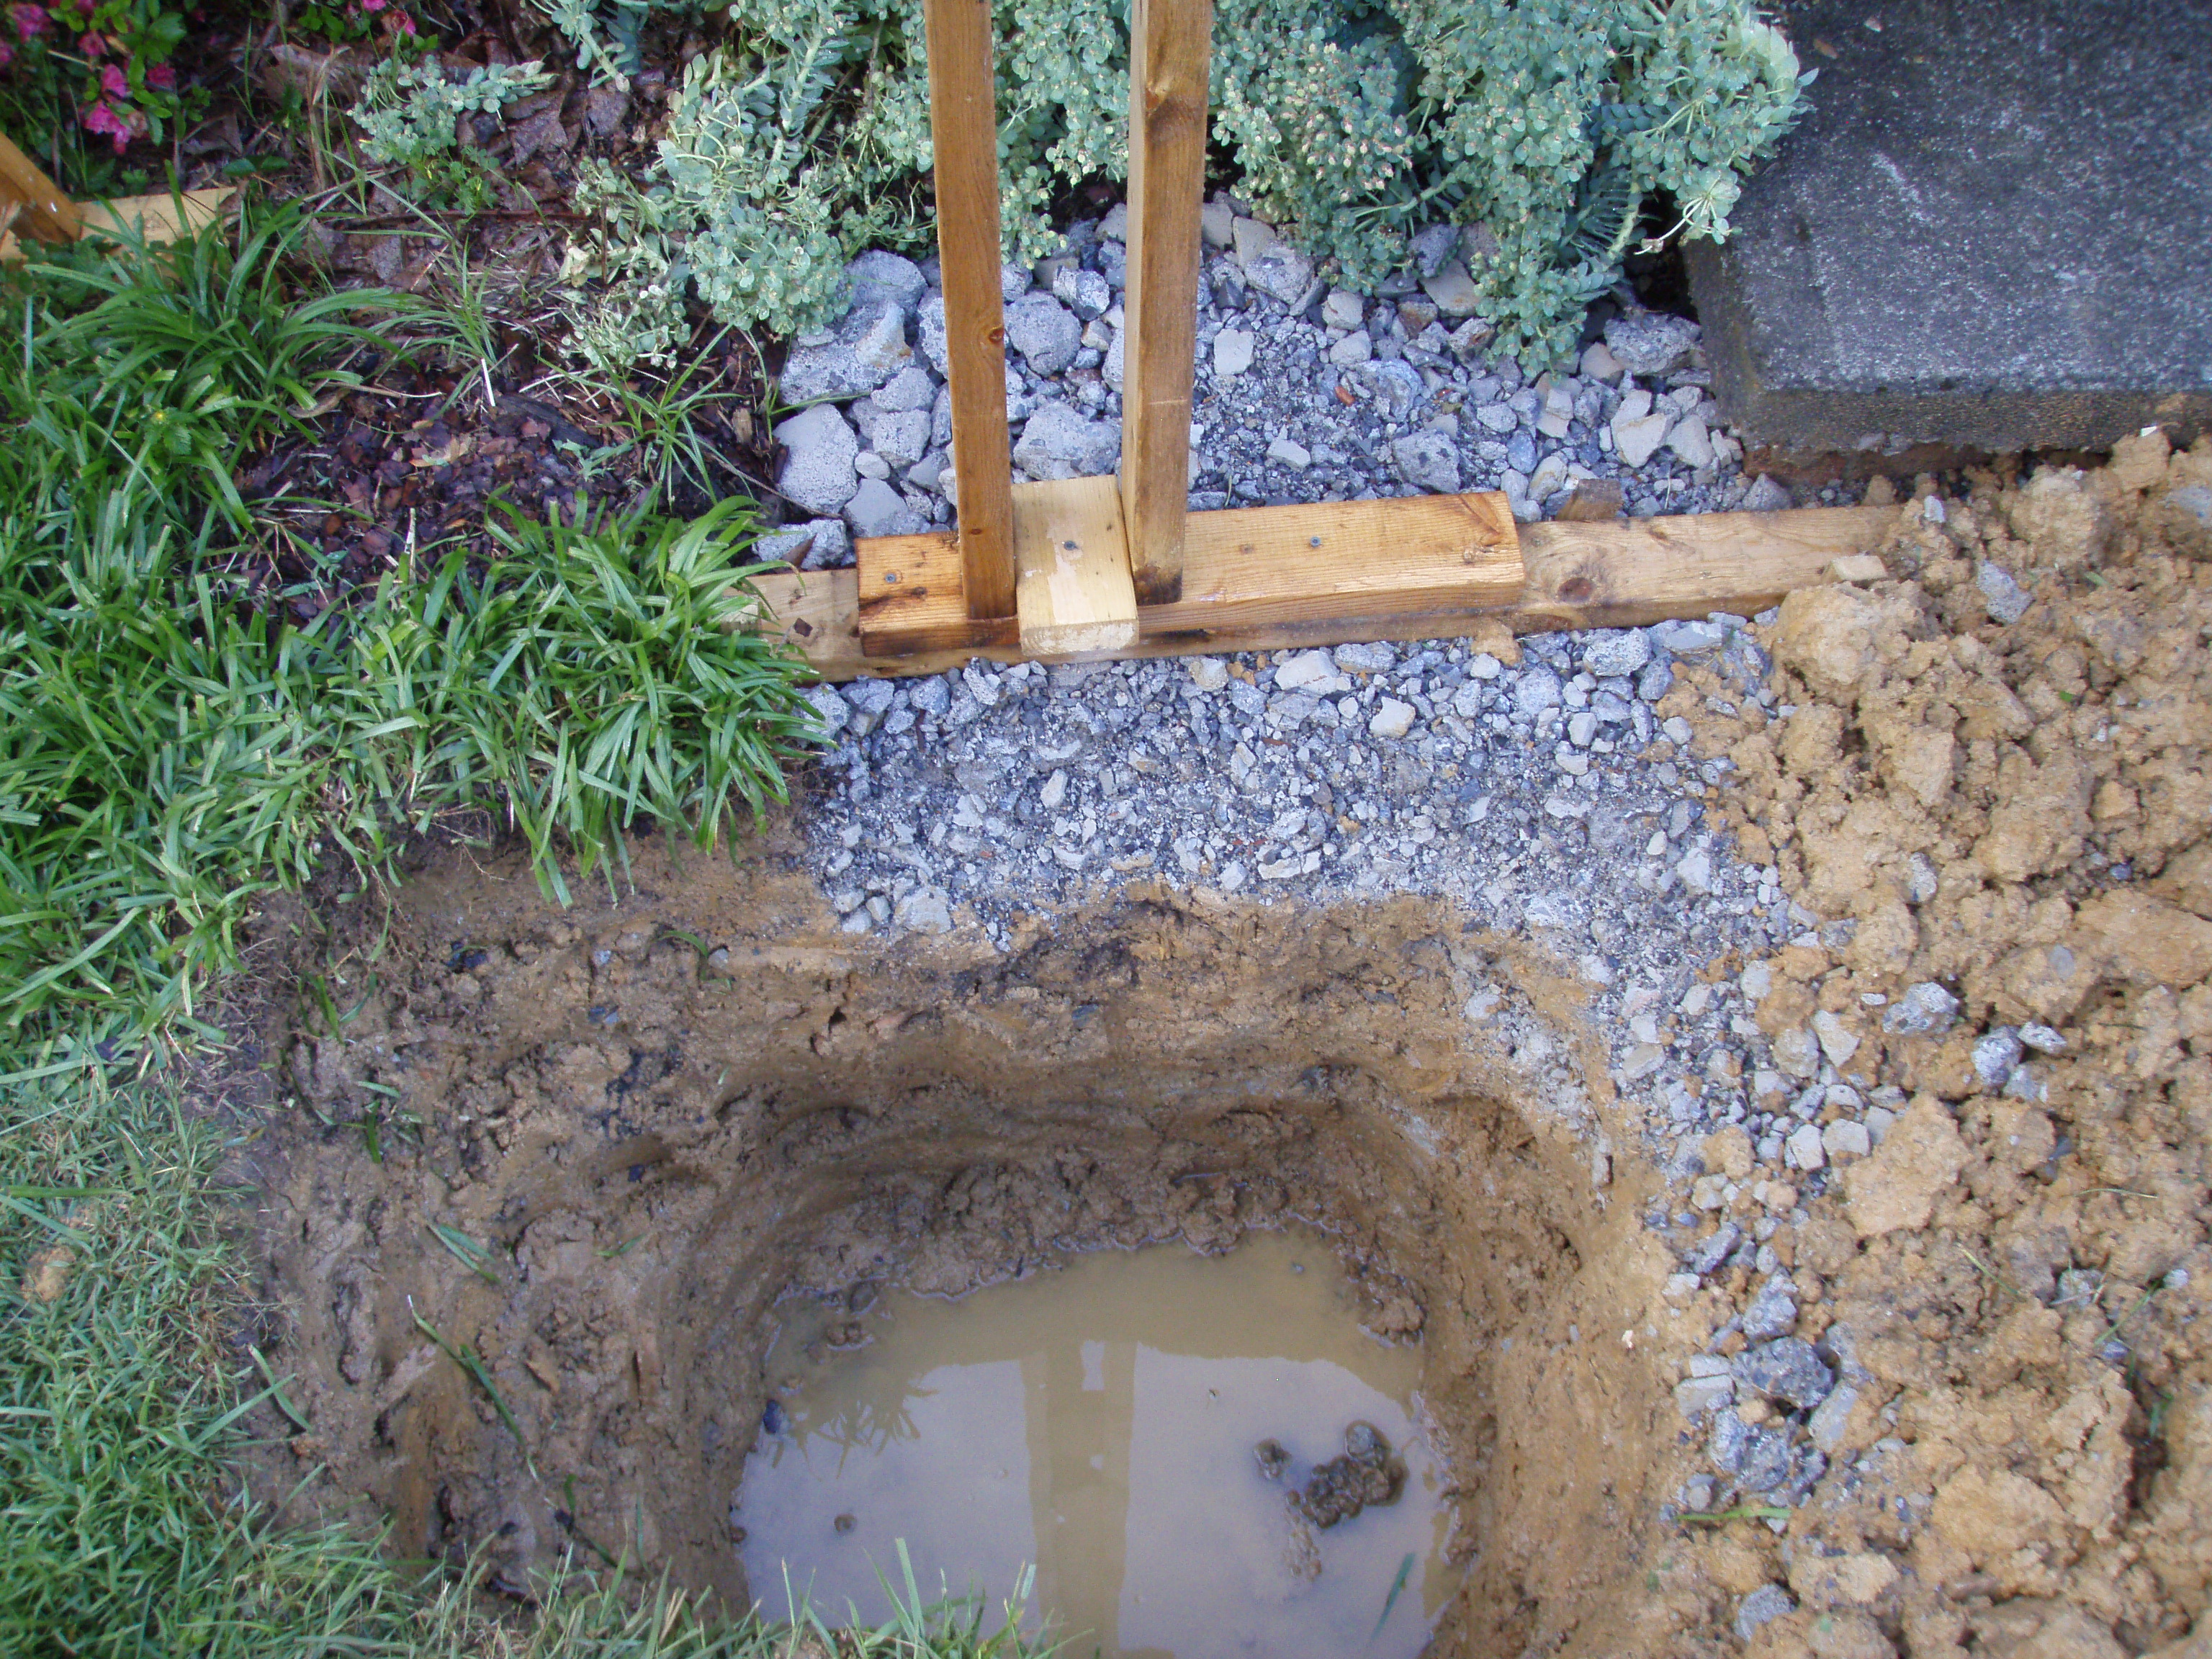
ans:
(31, 204)
(963, 120)
(1170, 44)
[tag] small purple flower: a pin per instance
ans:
(114, 83)
(31, 22)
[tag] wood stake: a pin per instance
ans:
(964, 120)
(1170, 43)
(32, 205)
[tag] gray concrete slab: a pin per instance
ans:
(1994, 229)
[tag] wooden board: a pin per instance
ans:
(965, 132)
(152, 219)
(1170, 41)
(33, 206)
(911, 595)
(1074, 597)
(1258, 566)
(1589, 575)
(1628, 572)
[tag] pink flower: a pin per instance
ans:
(372, 5)
(100, 119)
(114, 83)
(7, 54)
(162, 78)
(406, 23)
(86, 7)
(91, 45)
(30, 23)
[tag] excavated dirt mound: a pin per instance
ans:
(1996, 768)
(658, 1117)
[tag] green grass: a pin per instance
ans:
(168, 752)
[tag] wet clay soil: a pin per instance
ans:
(652, 1145)
(1163, 1434)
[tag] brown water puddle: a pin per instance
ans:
(1100, 1421)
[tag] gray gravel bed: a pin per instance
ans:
(1304, 393)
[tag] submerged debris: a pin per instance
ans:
(1367, 1475)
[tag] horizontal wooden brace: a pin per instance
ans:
(1619, 574)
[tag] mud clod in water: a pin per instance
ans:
(1366, 1476)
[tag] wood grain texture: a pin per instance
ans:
(911, 595)
(1170, 44)
(1629, 572)
(1074, 597)
(32, 204)
(965, 132)
(153, 219)
(1263, 565)
(1635, 575)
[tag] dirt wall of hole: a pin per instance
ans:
(657, 1114)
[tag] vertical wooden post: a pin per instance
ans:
(32, 203)
(964, 124)
(1170, 44)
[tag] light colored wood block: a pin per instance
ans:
(32, 204)
(156, 218)
(1634, 571)
(912, 596)
(153, 219)
(1074, 595)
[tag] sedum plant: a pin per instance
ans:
(1542, 126)
(409, 114)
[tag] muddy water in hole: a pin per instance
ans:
(1100, 1421)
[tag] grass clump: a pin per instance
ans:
(168, 749)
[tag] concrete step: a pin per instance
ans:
(1993, 230)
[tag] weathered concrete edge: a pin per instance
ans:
(1805, 420)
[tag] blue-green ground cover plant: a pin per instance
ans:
(1547, 127)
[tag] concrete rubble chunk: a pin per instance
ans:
(1344, 309)
(1786, 1369)
(1649, 343)
(2005, 599)
(1044, 332)
(1427, 460)
(865, 349)
(1924, 1008)
(1058, 442)
(1636, 439)
(876, 509)
(1453, 290)
(817, 471)
(880, 275)
(1996, 1054)
(1762, 1606)
(1392, 719)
